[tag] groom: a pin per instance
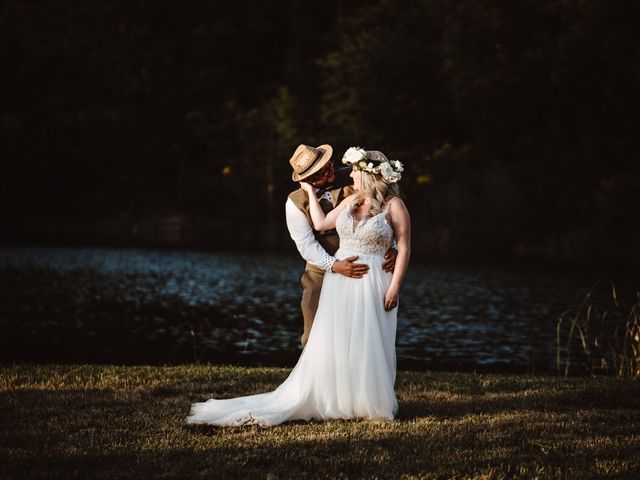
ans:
(314, 165)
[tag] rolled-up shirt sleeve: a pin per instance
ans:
(306, 243)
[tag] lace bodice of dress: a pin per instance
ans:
(369, 236)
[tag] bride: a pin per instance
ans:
(348, 366)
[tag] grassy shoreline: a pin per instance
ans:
(74, 421)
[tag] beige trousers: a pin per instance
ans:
(312, 285)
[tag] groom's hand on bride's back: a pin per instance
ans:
(390, 260)
(347, 268)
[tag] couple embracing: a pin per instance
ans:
(347, 368)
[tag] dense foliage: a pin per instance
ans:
(516, 120)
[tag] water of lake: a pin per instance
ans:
(150, 306)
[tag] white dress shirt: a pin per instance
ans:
(302, 234)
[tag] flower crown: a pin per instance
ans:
(374, 162)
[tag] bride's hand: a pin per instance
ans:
(391, 298)
(307, 187)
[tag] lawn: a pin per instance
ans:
(128, 422)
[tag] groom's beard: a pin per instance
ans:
(341, 178)
(326, 186)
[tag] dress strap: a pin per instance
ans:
(385, 211)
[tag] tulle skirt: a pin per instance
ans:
(346, 370)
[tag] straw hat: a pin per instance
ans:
(308, 160)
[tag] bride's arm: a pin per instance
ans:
(320, 220)
(401, 224)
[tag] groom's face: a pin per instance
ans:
(324, 177)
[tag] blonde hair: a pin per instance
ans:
(374, 188)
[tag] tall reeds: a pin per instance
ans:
(602, 337)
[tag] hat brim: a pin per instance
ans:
(317, 166)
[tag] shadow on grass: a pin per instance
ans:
(312, 459)
(459, 406)
(353, 450)
(448, 424)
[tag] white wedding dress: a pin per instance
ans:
(348, 366)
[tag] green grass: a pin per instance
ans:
(128, 422)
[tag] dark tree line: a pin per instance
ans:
(517, 120)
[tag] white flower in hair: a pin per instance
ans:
(386, 170)
(389, 173)
(394, 177)
(353, 155)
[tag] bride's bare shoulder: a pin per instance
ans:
(396, 207)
